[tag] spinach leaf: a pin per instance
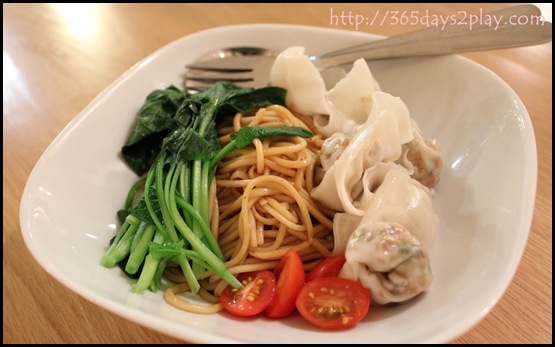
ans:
(168, 112)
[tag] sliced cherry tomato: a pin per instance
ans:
(290, 279)
(251, 299)
(333, 302)
(328, 267)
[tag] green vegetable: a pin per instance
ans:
(244, 137)
(175, 148)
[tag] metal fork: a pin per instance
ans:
(250, 66)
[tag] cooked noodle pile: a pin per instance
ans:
(262, 205)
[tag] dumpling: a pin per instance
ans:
(388, 250)
(404, 200)
(369, 154)
(339, 109)
(422, 158)
(306, 90)
(388, 260)
(344, 225)
(349, 102)
(376, 170)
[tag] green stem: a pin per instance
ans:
(162, 198)
(217, 265)
(205, 192)
(138, 254)
(147, 274)
(184, 187)
(157, 278)
(169, 222)
(133, 192)
(221, 154)
(206, 231)
(120, 247)
(150, 208)
(138, 235)
(196, 199)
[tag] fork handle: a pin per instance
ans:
(454, 38)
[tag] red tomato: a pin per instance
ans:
(255, 295)
(328, 267)
(333, 302)
(290, 279)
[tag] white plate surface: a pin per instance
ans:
(484, 200)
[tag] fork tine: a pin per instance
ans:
(213, 76)
(246, 71)
(201, 75)
(228, 64)
(198, 67)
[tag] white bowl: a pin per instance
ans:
(484, 200)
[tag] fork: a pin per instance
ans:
(250, 66)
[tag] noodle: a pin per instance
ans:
(261, 205)
(171, 297)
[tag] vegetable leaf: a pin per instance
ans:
(165, 111)
(154, 121)
(244, 136)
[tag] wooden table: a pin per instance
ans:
(57, 58)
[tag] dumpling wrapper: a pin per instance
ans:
(306, 90)
(346, 105)
(371, 152)
(387, 260)
(373, 249)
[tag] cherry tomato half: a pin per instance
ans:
(333, 302)
(290, 279)
(328, 267)
(255, 295)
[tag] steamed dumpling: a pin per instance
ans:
(422, 158)
(339, 109)
(399, 199)
(404, 200)
(306, 91)
(349, 102)
(387, 259)
(388, 250)
(369, 154)
(376, 170)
